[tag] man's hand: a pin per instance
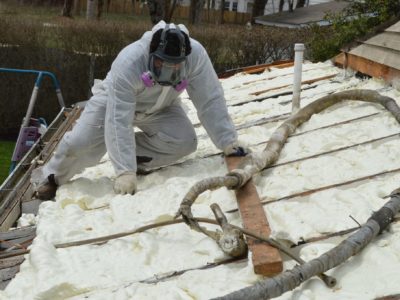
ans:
(125, 183)
(235, 149)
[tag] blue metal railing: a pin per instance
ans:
(29, 134)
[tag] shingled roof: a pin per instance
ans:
(378, 56)
(303, 16)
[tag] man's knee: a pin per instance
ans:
(188, 146)
(188, 142)
(72, 144)
(184, 145)
(77, 141)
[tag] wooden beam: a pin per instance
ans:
(261, 69)
(390, 297)
(308, 81)
(256, 68)
(18, 233)
(8, 273)
(11, 262)
(366, 66)
(273, 77)
(266, 259)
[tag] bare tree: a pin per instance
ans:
(156, 10)
(133, 5)
(300, 3)
(281, 5)
(258, 8)
(100, 5)
(161, 10)
(66, 11)
(90, 9)
(222, 9)
(171, 11)
(195, 10)
(77, 7)
(291, 2)
(208, 9)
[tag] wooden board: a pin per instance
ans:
(308, 81)
(280, 64)
(11, 262)
(8, 268)
(365, 66)
(390, 297)
(8, 273)
(18, 233)
(266, 259)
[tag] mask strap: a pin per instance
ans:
(163, 41)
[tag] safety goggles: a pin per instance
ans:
(169, 73)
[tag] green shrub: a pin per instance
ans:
(233, 46)
(357, 21)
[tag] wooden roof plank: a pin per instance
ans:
(8, 273)
(11, 262)
(385, 40)
(378, 56)
(308, 81)
(387, 57)
(266, 259)
(18, 233)
(367, 66)
(280, 64)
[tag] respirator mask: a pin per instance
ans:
(167, 70)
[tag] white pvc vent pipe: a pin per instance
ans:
(298, 63)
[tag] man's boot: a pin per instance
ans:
(47, 191)
(141, 170)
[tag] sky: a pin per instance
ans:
(322, 152)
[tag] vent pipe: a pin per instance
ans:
(298, 62)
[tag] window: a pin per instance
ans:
(234, 6)
(249, 7)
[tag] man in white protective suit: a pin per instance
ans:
(142, 89)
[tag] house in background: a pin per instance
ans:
(246, 6)
(303, 16)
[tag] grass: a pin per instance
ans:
(6, 150)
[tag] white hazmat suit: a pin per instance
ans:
(122, 100)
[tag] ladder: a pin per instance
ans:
(31, 129)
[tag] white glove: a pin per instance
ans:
(125, 183)
(235, 149)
